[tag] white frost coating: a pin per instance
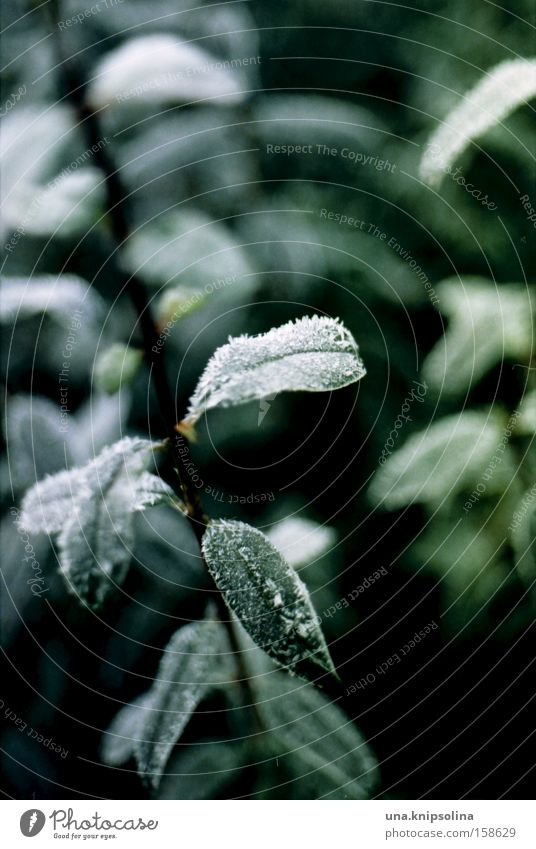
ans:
(160, 68)
(57, 295)
(148, 491)
(266, 594)
(312, 354)
(301, 541)
(91, 509)
(197, 659)
(486, 324)
(320, 746)
(502, 90)
(450, 456)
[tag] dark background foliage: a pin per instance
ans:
(455, 718)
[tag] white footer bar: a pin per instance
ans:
(269, 824)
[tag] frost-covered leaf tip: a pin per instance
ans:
(91, 509)
(502, 90)
(197, 660)
(311, 354)
(266, 594)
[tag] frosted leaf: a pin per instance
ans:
(149, 491)
(162, 69)
(502, 90)
(189, 250)
(315, 743)
(197, 660)
(267, 596)
(65, 206)
(58, 296)
(124, 731)
(311, 354)
(91, 509)
(32, 141)
(486, 324)
(35, 444)
(37, 440)
(66, 338)
(450, 456)
(201, 771)
(47, 505)
(324, 120)
(301, 541)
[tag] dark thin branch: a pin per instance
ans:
(117, 208)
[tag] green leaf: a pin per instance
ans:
(311, 354)
(468, 562)
(266, 594)
(91, 509)
(503, 89)
(161, 69)
(35, 443)
(190, 250)
(486, 324)
(32, 143)
(526, 423)
(203, 770)
(125, 731)
(321, 749)
(39, 201)
(296, 119)
(450, 456)
(57, 296)
(197, 660)
(301, 541)
(62, 316)
(117, 366)
(66, 206)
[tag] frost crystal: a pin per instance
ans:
(270, 600)
(502, 90)
(315, 354)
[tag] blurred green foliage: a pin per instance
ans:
(304, 196)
